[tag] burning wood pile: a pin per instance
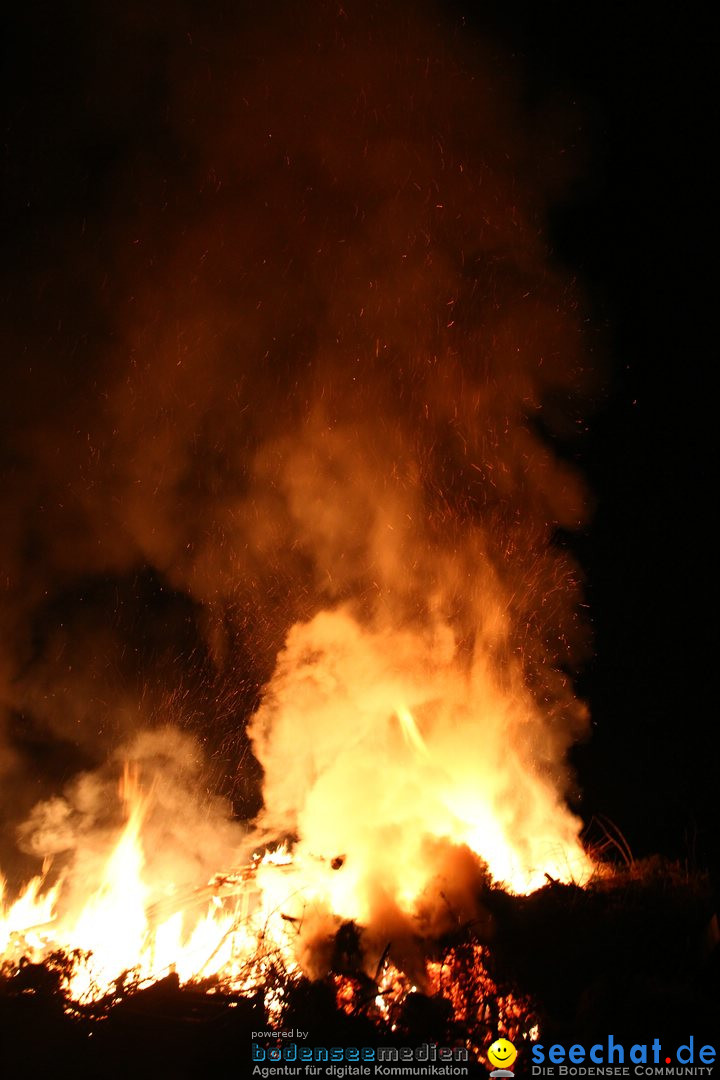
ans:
(233, 931)
(545, 963)
(290, 619)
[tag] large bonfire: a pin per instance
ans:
(335, 445)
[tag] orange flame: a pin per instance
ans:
(116, 931)
(403, 771)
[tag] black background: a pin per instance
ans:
(638, 231)
(640, 234)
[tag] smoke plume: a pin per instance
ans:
(291, 351)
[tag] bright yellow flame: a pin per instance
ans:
(406, 769)
(410, 731)
(234, 938)
(28, 915)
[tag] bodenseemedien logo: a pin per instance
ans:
(612, 1059)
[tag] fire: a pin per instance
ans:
(410, 731)
(402, 851)
(392, 788)
(320, 422)
(118, 933)
(29, 912)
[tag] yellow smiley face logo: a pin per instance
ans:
(502, 1054)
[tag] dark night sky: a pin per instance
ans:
(637, 232)
(641, 234)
